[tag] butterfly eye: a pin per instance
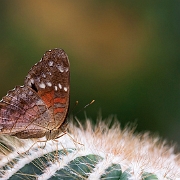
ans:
(34, 87)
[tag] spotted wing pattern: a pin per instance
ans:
(39, 108)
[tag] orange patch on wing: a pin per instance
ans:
(59, 110)
(60, 100)
(47, 97)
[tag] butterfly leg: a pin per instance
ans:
(70, 137)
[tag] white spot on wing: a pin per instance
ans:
(29, 83)
(60, 86)
(49, 84)
(61, 68)
(50, 63)
(32, 81)
(55, 87)
(43, 75)
(42, 85)
(48, 73)
(67, 69)
(65, 88)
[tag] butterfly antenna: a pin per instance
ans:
(86, 106)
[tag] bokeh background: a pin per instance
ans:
(124, 54)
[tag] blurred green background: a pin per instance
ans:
(124, 54)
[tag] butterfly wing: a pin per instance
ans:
(22, 113)
(50, 78)
(41, 105)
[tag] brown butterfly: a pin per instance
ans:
(39, 108)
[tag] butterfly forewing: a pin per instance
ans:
(41, 105)
(50, 78)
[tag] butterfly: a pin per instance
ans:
(39, 108)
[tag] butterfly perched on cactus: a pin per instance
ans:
(39, 107)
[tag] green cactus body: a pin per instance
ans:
(104, 153)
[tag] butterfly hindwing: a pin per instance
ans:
(22, 113)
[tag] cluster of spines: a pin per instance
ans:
(97, 157)
(81, 167)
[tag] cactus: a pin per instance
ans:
(91, 152)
